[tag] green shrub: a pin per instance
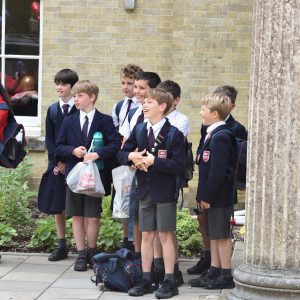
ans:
(45, 235)
(110, 230)
(189, 239)
(6, 234)
(15, 194)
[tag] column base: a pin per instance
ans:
(257, 283)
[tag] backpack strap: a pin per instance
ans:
(53, 112)
(118, 109)
(138, 132)
(131, 113)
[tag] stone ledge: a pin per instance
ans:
(36, 144)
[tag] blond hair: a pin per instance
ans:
(87, 87)
(161, 96)
(218, 102)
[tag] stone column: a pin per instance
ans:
(271, 268)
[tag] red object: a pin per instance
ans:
(35, 10)
(3, 119)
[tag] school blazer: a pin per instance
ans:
(52, 129)
(160, 180)
(216, 183)
(70, 137)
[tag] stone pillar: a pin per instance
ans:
(271, 268)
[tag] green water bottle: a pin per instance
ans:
(98, 143)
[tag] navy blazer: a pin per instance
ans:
(70, 137)
(52, 128)
(217, 160)
(160, 180)
(234, 126)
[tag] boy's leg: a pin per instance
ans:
(137, 240)
(61, 252)
(204, 263)
(92, 232)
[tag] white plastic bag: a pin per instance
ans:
(84, 178)
(122, 179)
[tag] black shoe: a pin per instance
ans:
(203, 280)
(90, 257)
(58, 254)
(143, 287)
(222, 282)
(166, 290)
(178, 279)
(81, 264)
(202, 266)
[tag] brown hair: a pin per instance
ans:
(218, 102)
(87, 87)
(131, 71)
(161, 96)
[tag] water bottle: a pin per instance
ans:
(98, 143)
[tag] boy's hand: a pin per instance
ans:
(79, 151)
(61, 167)
(91, 156)
(136, 157)
(149, 159)
(204, 205)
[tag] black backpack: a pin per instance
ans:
(12, 150)
(182, 179)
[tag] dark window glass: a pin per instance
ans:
(22, 27)
(21, 82)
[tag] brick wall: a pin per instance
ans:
(199, 44)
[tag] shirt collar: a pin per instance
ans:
(134, 100)
(90, 115)
(70, 102)
(214, 126)
(156, 127)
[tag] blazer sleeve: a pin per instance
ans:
(220, 153)
(175, 162)
(50, 136)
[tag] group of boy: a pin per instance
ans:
(142, 123)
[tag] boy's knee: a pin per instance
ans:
(165, 236)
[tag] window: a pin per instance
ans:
(20, 50)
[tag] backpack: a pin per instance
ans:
(12, 150)
(131, 113)
(53, 111)
(118, 109)
(118, 271)
(187, 175)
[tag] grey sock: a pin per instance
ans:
(147, 276)
(62, 243)
(169, 277)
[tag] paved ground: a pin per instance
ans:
(30, 276)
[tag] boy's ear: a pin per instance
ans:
(162, 107)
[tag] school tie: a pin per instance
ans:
(128, 109)
(65, 108)
(140, 119)
(84, 129)
(151, 138)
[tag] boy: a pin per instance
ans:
(143, 83)
(64, 81)
(180, 121)
(156, 173)
(73, 141)
(216, 192)
(239, 131)
(119, 114)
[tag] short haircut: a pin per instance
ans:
(131, 71)
(171, 87)
(87, 87)
(161, 96)
(66, 76)
(152, 78)
(228, 90)
(218, 102)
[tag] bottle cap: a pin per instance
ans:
(97, 135)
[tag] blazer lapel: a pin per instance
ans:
(94, 126)
(77, 128)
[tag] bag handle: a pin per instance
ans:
(91, 147)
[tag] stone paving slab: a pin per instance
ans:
(32, 276)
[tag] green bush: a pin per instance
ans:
(189, 239)
(6, 234)
(45, 235)
(15, 194)
(110, 230)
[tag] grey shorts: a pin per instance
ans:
(218, 222)
(82, 205)
(157, 216)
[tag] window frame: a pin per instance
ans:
(32, 124)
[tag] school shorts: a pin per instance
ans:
(82, 205)
(157, 216)
(218, 222)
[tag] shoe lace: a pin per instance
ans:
(165, 286)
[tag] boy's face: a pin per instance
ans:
(208, 117)
(127, 86)
(141, 88)
(152, 110)
(63, 90)
(84, 102)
